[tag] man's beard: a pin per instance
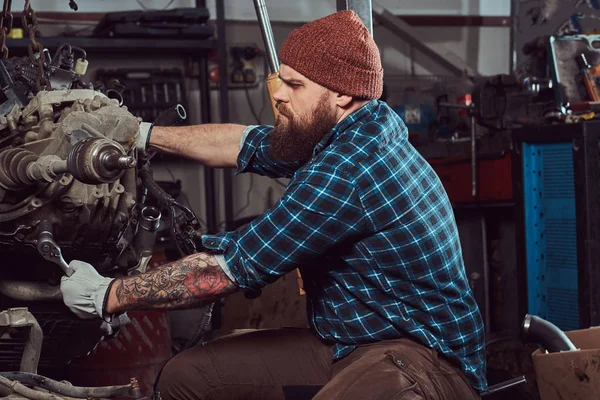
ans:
(294, 137)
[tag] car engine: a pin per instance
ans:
(72, 186)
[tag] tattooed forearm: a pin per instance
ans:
(186, 283)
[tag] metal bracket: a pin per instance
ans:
(448, 59)
(19, 318)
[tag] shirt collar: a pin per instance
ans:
(344, 124)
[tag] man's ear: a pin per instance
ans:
(342, 100)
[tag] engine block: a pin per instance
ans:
(68, 158)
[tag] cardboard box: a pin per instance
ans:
(573, 375)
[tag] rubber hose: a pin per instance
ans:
(154, 188)
(545, 333)
(171, 116)
(66, 389)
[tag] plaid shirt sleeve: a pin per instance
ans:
(254, 154)
(320, 209)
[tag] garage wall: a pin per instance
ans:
(485, 49)
(285, 10)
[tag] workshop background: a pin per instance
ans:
(477, 83)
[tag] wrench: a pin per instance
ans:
(49, 249)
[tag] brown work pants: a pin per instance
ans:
(265, 364)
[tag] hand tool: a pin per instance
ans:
(49, 249)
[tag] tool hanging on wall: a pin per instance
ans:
(273, 81)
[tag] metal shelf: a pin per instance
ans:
(91, 44)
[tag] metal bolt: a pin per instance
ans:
(126, 162)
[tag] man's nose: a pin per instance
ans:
(279, 96)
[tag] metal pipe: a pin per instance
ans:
(30, 291)
(145, 237)
(267, 34)
(514, 26)
(224, 111)
(66, 389)
(273, 81)
(473, 156)
(486, 274)
(209, 173)
(504, 385)
(26, 392)
(537, 330)
(363, 8)
(20, 317)
(33, 347)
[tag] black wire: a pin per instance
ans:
(258, 117)
(185, 197)
(248, 192)
(171, 173)
(252, 110)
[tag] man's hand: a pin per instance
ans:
(85, 291)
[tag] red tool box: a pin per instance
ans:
(494, 178)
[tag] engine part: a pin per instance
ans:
(13, 94)
(91, 222)
(18, 318)
(171, 116)
(72, 168)
(145, 237)
(545, 333)
(49, 249)
(97, 160)
(131, 390)
(30, 291)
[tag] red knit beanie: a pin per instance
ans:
(336, 52)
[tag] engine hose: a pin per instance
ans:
(545, 333)
(154, 188)
(28, 393)
(66, 389)
(201, 328)
(171, 116)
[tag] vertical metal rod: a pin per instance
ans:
(473, 157)
(209, 173)
(514, 25)
(486, 274)
(363, 8)
(224, 110)
(267, 34)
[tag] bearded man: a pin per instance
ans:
(364, 217)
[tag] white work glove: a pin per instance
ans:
(143, 137)
(84, 292)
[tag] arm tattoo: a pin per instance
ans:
(189, 282)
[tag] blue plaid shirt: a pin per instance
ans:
(373, 232)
